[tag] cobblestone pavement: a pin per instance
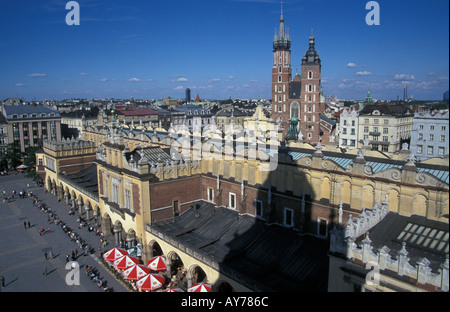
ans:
(22, 250)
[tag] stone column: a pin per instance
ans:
(423, 270)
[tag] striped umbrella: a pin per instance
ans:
(200, 287)
(150, 282)
(114, 254)
(135, 272)
(125, 262)
(157, 263)
(173, 290)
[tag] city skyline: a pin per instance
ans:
(219, 49)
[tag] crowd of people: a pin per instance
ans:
(75, 237)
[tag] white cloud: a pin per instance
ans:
(182, 79)
(231, 77)
(20, 84)
(179, 88)
(104, 79)
(84, 74)
(214, 80)
(404, 77)
(134, 79)
(351, 65)
(37, 75)
(363, 73)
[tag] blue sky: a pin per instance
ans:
(219, 49)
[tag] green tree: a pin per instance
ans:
(13, 155)
(29, 157)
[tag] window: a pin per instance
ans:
(442, 138)
(385, 148)
(232, 200)
(441, 151)
(106, 189)
(420, 136)
(386, 121)
(310, 75)
(210, 194)
(352, 131)
(258, 208)
(366, 129)
(419, 149)
(430, 150)
(288, 217)
(352, 142)
(127, 199)
(344, 141)
(344, 130)
(366, 121)
(353, 123)
(385, 130)
(115, 192)
(431, 138)
(420, 127)
(431, 127)
(385, 138)
(443, 128)
(345, 122)
(375, 121)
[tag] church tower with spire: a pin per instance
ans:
(311, 88)
(281, 74)
(298, 102)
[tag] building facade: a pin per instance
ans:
(430, 136)
(385, 126)
(29, 125)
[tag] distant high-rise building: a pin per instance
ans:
(188, 95)
(445, 97)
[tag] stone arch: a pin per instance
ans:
(196, 275)
(174, 263)
(54, 189)
(368, 196)
(154, 249)
(393, 198)
(325, 188)
(106, 224)
(88, 210)
(80, 204)
(118, 231)
(48, 185)
(420, 205)
(131, 239)
(346, 192)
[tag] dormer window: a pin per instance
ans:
(24, 115)
(15, 116)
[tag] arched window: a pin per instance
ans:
(310, 74)
(310, 88)
(295, 110)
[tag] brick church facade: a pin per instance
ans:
(299, 98)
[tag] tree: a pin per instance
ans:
(12, 156)
(29, 157)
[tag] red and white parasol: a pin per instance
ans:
(114, 254)
(157, 263)
(150, 282)
(125, 262)
(200, 287)
(135, 272)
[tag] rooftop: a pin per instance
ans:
(275, 257)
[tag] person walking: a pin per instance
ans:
(24, 224)
(2, 280)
